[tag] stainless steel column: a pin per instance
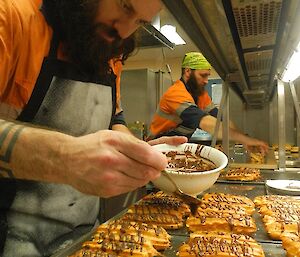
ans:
(225, 121)
(271, 122)
(297, 109)
(281, 124)
(219, 117)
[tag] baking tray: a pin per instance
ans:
(241, 158)
(266, 175)
(271, 247)
(270, 250)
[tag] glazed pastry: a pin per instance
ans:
(225, 207)
(276, 209)
(257, 158)
(295, 149)
(159, 209)
(166, 221)
(157, 235)
(123, 238)
(265, 199)
(90, 252)
(239, 200)
(114, 244)
(224, 235)
(242, 174)
(291, 243)
(288, 147)
(154, 209)
(276, 227)
(280, 214)
(214, 244)
(123, 248)
(164, 200)
(220, 221)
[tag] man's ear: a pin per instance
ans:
(187, 73)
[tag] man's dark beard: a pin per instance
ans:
(194, 89)
(73, 21)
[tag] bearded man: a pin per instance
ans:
(186, 106)
(63, 137)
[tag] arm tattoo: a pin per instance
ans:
(9, 133)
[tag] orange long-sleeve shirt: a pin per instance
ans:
(177, 110)
(25, 39)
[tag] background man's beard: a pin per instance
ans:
(194, 89)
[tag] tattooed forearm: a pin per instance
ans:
(9, 133)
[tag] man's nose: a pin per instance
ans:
(126, 27)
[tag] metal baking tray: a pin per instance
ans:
(266, 175)
(271, 247)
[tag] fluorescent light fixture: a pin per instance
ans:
(292, 71)
(170, 33)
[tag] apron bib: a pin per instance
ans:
(44, 217)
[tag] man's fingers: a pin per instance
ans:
(135, 169)
(141, 152)
(175, 140)
(121, 184)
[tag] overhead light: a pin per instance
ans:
(170, 33)
(292, 71)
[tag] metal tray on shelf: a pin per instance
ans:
(266, 175)
(270, 249)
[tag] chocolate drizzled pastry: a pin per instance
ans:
(278, 209)
(166, 221)
(123, 238)
(157, 235)
(188, 162)
(223, 212)
(280, 214)
(159, 209)
(215, 244)
(122, 248)
(242, 201)
(168, 201)
(280, 199)
(225, 208)
(277, 228)
(220, 221)
(241, 174)
(90, 252)
(258, 158)
(291, 243)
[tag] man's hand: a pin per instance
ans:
(109, 163)
(252, 144)
(175, 140)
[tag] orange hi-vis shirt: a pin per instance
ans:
(25, 39)
(178, 114)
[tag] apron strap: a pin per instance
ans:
(42, 84)
(54, 46)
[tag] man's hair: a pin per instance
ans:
(73, 21)
(183, 71)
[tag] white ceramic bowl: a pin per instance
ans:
(192, 183)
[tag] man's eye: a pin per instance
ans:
(142, 23)
(126, 7)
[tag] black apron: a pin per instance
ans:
(43, 217)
